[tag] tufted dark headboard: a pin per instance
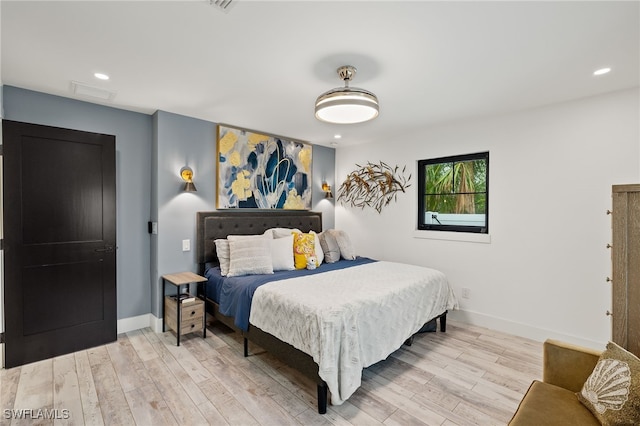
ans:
(219, 224)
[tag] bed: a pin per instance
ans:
(289, 295)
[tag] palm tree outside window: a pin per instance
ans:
(453, 193)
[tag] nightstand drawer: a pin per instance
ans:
(190, 325)
(191, 313)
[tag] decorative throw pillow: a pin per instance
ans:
(612, 391)
(344, 242)
(317, 246)
(250, 256)
(303, 247)
(222, 251)
(282, 253)
(329, 247)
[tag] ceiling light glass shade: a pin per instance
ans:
(346, 105)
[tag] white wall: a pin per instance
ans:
(551, 170)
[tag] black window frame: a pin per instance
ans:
(422, 165)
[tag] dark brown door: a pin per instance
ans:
(60, 241)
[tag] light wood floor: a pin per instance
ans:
(468, 375)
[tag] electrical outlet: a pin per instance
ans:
(186, 245)
(466, 292)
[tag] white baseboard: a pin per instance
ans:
(141, 321)
(156, 323)
(518, 329)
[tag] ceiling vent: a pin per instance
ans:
(223, 5)
(86, 91)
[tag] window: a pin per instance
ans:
(453, 193)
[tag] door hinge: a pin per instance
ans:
(2, 337)
(1, 243)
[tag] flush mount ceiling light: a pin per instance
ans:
(346, 105)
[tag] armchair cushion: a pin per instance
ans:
(550, 405)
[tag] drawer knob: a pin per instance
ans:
(609, 211)
(193, 313)
(609, 245)
(609, 314)
(609, 280)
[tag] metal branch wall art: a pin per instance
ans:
(373, 185)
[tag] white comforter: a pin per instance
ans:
(351, 318)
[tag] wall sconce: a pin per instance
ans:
(187, 175)
(327, 191)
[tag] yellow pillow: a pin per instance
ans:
(303, 247)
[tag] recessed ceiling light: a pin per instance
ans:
(101, 76)
(601, 71)
(336, 136)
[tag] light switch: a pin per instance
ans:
(186, 245)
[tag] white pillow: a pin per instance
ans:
(346, 249)
(282, 254)
(280, 232)
(222, 250)
(244, 237)
(250, 256)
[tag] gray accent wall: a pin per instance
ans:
(184, 141)
(133, 178)
(151, 150)
(179, 141)
(323, 170)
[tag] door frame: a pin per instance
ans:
(2, 346)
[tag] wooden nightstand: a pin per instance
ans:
(183, 317)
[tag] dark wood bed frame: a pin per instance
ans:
(219, 224)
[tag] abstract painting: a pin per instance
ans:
(262, 171)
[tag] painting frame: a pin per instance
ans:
(260, 170)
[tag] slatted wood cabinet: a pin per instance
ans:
(626, 267)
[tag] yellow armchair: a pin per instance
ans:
(552, 401)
